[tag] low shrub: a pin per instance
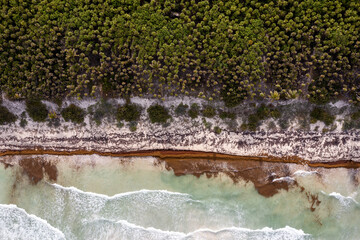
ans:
(303, 120)
(128, 112)
(209, 112)
(54, 122)
(194, 111)
(230, 115)
(321, 115)
(101, 110)
(36, 110)
(253, 122)
(52, 115)
(207, 124)
(272, 126)
(263, 112)
(217, 130)
(284, 123)
(355, 115)
(275, 113)
(73, 113)
(6, 116)
(133, 126)
(351, 124)
(23, 121)
(158, 114)
(181, 109)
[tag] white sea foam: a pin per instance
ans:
(142, 191)
(286, 179)
(344, 200)
(16, 223)
(304, 173)
(106, 229)
(150, 208)
(141, 207)
(245, 233)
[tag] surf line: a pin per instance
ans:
(188, 155)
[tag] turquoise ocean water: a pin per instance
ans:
(112, 198)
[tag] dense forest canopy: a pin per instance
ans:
(231, 50)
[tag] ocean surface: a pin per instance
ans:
(138, 198)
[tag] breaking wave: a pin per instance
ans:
(16, 223)
(105, 229)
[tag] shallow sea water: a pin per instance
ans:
(115, 198)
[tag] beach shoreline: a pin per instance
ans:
(169, 155)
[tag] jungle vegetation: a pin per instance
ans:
(217, 50)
